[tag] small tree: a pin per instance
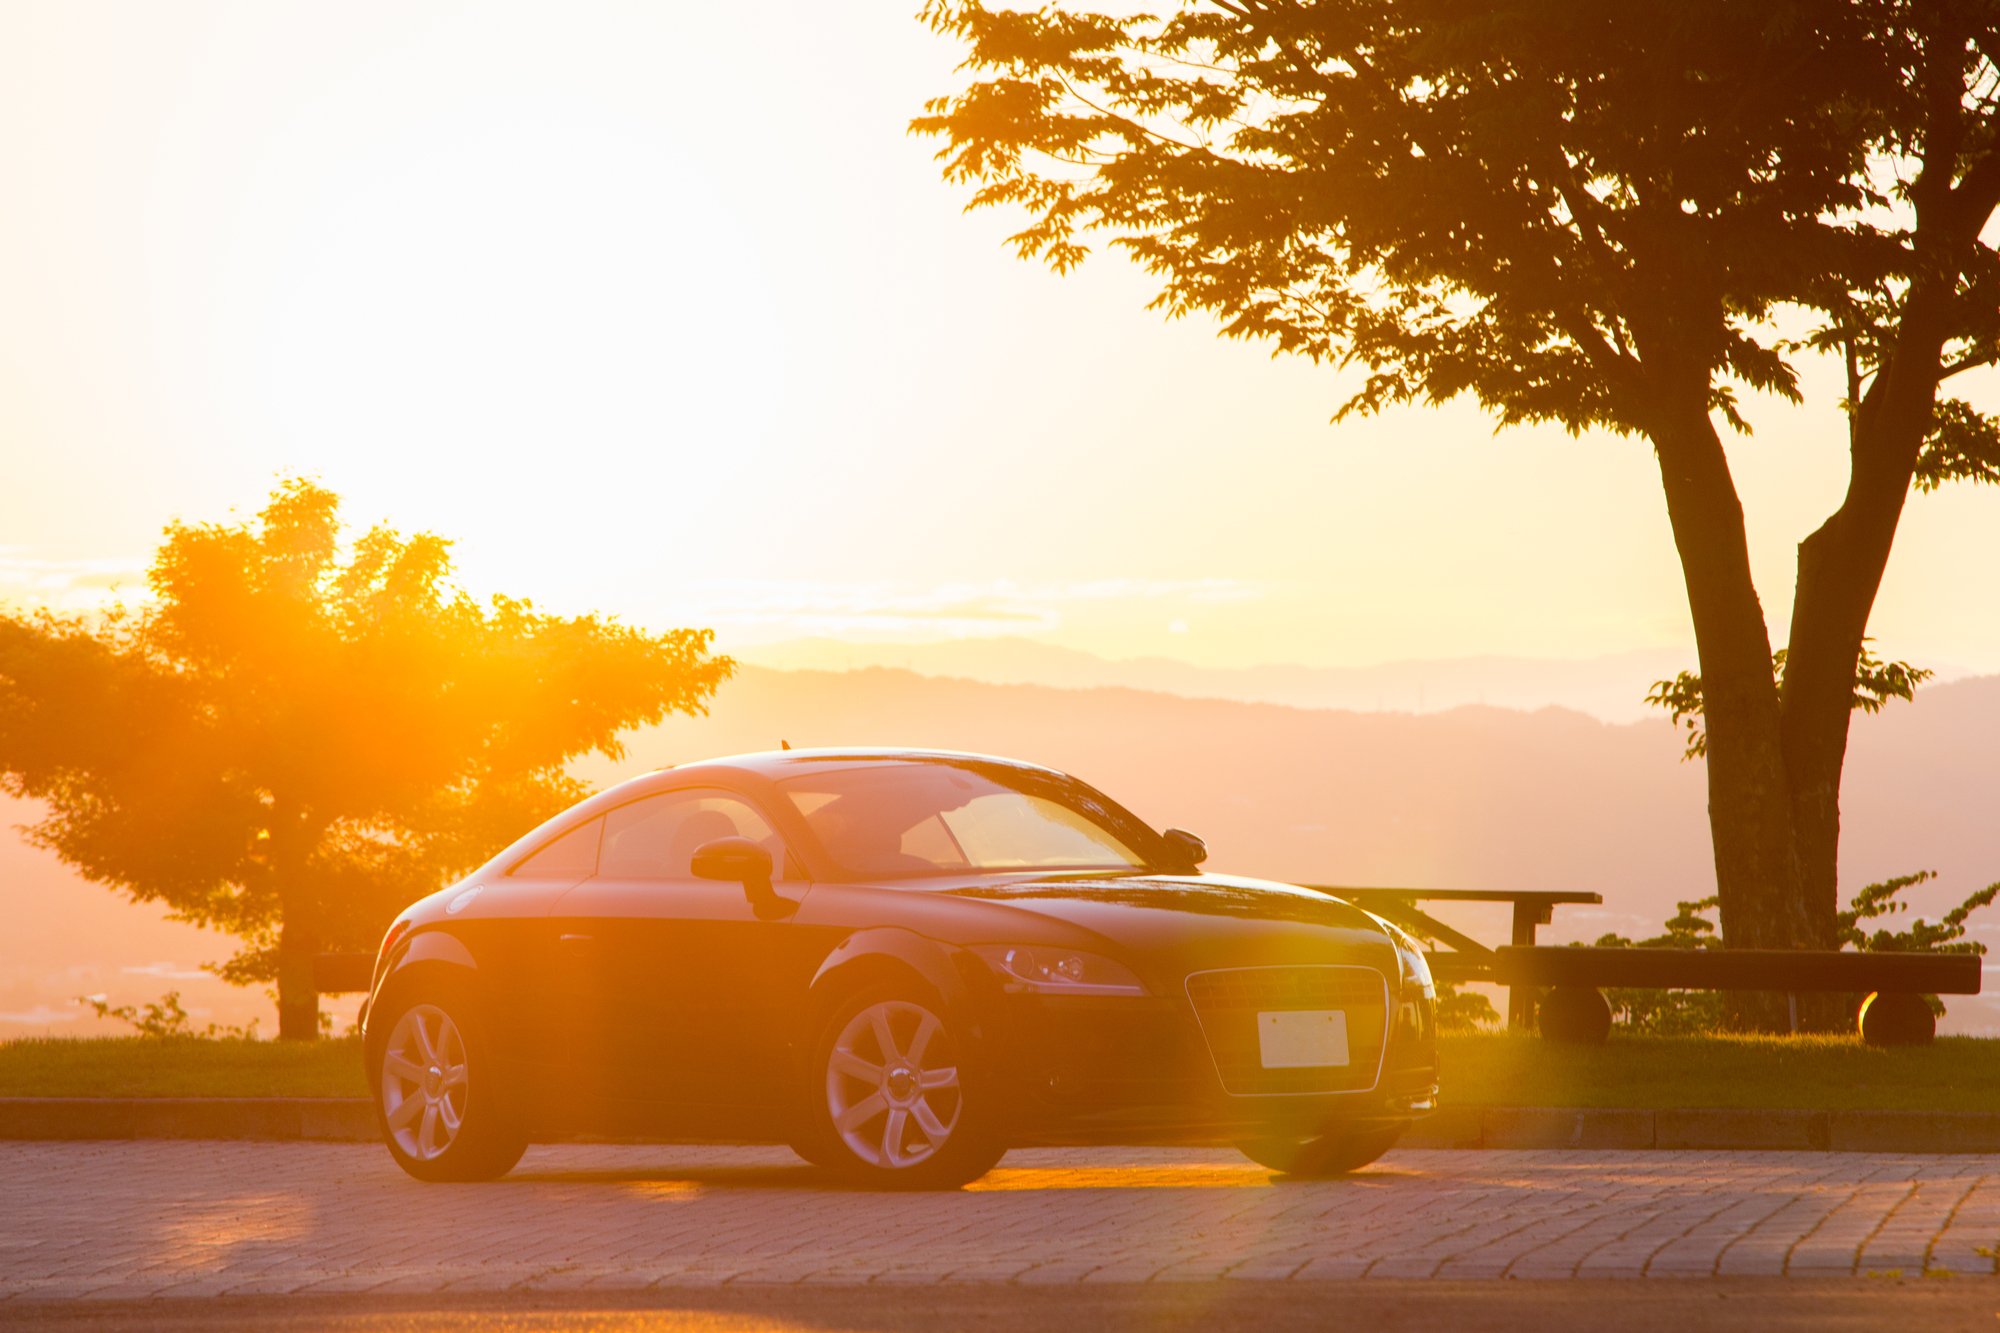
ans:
(289, 741)
(1607, 216)
(1671, 1013)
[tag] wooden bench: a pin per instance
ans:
(1895, 1013)
(1467, 959)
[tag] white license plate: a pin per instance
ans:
(1303, 1039)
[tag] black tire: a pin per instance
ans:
(487, 1142)
(814, 1151)
(1895, 1018)
(1331, 1154)
(1577, 1015)
(863, 1154)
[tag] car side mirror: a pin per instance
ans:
(732, 860)
(1187, 844)
(740, 861)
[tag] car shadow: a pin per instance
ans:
(791, 1176)
(803, 1176)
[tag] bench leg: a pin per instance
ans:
(1521, 999)
(1521, 1008)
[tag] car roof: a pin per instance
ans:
(776, 764)
(765, 766)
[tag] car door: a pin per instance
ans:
(676, 980)
(515, 960)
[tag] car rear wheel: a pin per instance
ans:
(892, 1101)
(437, 1099)
(1331, 1154)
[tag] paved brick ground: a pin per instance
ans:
(121, 1219)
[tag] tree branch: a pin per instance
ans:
(1968, 362)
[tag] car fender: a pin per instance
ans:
(423, 955)
(954, 973)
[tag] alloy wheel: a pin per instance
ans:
(892, 1084)
(424, 1081)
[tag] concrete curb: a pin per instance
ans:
(352, 1120)
(1709, 1129)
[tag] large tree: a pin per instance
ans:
(292, 738)
(1607, 214)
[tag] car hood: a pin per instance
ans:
(1179, 922)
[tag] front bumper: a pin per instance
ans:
(1082, 1070)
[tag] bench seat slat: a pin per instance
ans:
(1738, 969)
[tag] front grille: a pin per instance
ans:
(1227, 1002)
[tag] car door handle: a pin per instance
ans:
(575, 939)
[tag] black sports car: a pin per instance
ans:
(902, 963)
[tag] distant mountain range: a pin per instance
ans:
(1472, 796)
(1465, 797)
(1468, 797)
(1612, 688)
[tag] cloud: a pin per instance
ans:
(67, 585)
(166, 971)
(39, 1015)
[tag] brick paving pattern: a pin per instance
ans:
(126, 1219)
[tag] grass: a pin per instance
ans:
(1488, 1069)
(180, 1067)
(1805, 1073)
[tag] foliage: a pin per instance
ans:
(1670, 1013)
(1461, 1010)
(1875, 683)
(292, 739)
(1509, 201)
(1946, 935)
(164, 1018)
(1963, 445)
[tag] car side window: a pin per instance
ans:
(656, 838)
(571, 856)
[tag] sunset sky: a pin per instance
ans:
(658, 310)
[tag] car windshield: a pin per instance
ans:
(914, 818)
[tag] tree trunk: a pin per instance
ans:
(1829, 617)
(298, 995)
(295, 834)
(1840, 573)
(1757, 872)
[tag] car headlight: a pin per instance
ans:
(1411, 966)
(1041, 970)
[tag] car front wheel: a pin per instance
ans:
(892, 1102)
(437, 1100)
(1331, 1154)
